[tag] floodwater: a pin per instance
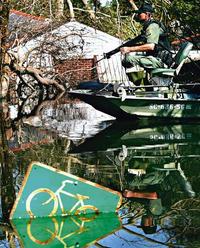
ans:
(155, 167)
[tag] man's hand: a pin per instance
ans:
(125, 50)
(139, 48)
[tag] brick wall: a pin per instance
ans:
(74, 71)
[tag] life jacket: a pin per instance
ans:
(162, 49)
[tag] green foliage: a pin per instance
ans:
(41, 8)
(116, 17)
(187, 13)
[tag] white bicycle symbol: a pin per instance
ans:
(78, 208)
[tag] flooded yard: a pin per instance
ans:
(155, 168)
(73, 177)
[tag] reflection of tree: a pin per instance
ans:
(7, 188)
(148, 239)
(29, 109)
(180, 225)
(32, 103)
(8, 236)
(185, 216)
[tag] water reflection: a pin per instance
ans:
(156, 169)
(73, 231)
(75, 120)
(164, 150)
(154, 166)
(140, 134)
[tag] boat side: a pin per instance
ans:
(134, 106)
(103, 103)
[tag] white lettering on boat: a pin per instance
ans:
(171, 136)
(170, 106)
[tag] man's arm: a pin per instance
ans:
(152, 36)
(129, 43)
(141, 48)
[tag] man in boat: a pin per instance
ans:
(154, 42)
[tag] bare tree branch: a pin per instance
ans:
(60, 8)
(71, 10)
(134, 6)
(37, 74)
(88, 8)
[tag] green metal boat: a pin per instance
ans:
(158, 94)
(141, 105)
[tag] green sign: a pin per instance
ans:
(50, 192)
(70, 231)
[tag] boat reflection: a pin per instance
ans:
(155, 167)
(73, 231)
(133, 135)
(149, 153)
(147, 147)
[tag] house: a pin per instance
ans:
(72, 51)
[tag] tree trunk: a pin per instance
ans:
(7, 190)
(60, 9)
(71, 10)
(4, 68)
(88, 8)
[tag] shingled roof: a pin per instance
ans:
(25, 25)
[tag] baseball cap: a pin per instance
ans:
(146, 7)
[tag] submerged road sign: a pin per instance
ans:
(71, 231)
(50, 192)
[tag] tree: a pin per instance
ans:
(4, 70)
(60, 8)
(7, 191)
(185, 13)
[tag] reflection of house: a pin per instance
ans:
(72, 50)
(74, 120)
(29, 137)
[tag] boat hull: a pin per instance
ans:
(136, 107)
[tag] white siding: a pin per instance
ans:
(87, 42)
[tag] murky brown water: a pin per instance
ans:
(158, 163)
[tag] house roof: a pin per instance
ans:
(19, 15)
(75, 39)
(25, 25)
(90, 40)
